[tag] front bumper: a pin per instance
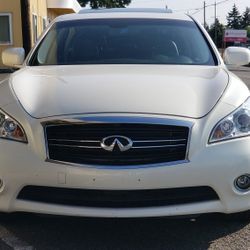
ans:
(215, 165)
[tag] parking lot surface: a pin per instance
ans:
(3, 76)
(27, 231)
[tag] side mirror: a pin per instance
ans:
(237, 56)
(13, 57)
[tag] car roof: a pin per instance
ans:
(129, 10)
(163, 13)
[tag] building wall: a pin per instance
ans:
(53, 13)
(39, 9)
(37, 17)
(13, 7)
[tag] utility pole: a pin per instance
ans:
(215, 23)
(205, 14)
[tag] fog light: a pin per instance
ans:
(243, 182)
(9, 126)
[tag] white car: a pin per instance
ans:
(124, 113)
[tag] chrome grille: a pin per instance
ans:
(136, 144)
(81, 143)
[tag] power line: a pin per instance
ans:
(198, 9)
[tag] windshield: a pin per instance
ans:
(123, 41)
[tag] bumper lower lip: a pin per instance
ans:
(189, 209)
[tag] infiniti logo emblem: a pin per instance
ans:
(122, 143)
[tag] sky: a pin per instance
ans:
(182, 6)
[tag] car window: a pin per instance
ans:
(124, 41)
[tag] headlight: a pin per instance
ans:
(233, 126)
(11, 129)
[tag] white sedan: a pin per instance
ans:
(124, 113)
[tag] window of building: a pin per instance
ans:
(6, 29)
(45, 22)
(35, 27)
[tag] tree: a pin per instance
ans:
(206, 27)
(245, 20)
(248, 31)
(95, 4)
(217, 29)
(234, 18)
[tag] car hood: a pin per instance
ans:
(189, 91)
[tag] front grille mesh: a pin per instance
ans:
(81, 143)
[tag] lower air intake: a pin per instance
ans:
(115, 198)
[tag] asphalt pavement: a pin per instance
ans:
(243, 73)
(28, 231)
(3, 76)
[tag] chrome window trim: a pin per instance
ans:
(117, 119)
